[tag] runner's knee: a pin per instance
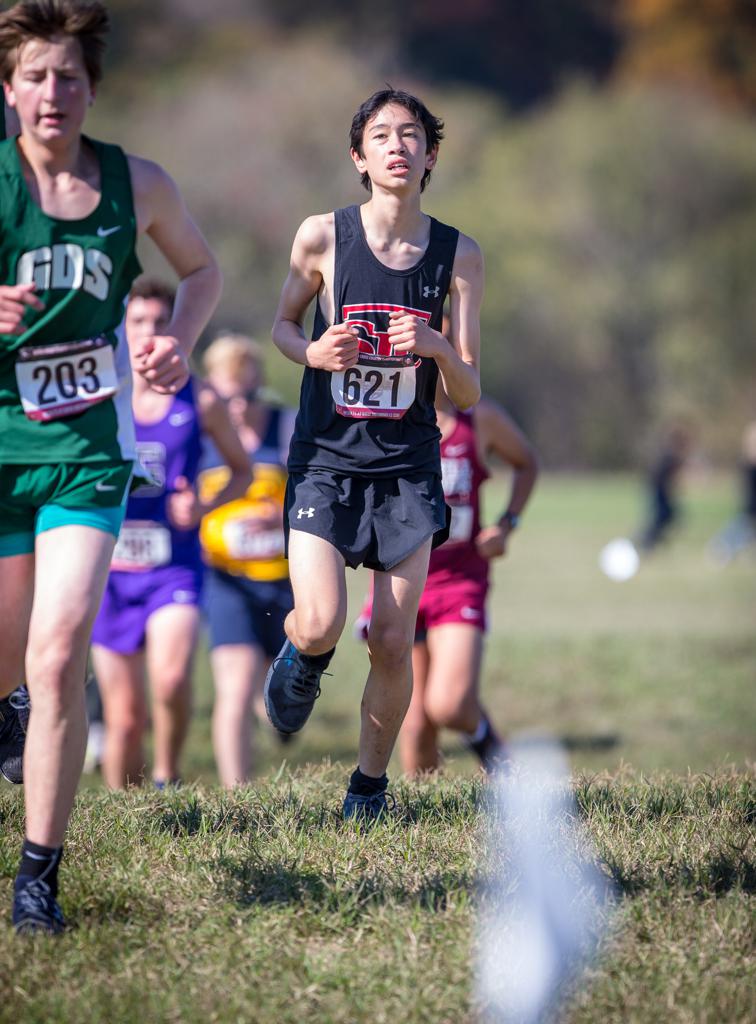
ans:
(447, 709)
(55, 674)
(171, 688)
(389, 645)
(128, 728)
(317, 632)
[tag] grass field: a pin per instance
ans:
(262, 906)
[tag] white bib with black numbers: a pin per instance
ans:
(142, 545)
(55, 381)
(380, 387)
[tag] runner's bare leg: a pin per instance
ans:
(72, 567)
(389, 684)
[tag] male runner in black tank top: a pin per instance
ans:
(365, 482)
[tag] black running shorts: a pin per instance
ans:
(376, 523)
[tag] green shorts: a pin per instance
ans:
(38, 498)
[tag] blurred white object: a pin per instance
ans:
(619, 560)
(95, 747)
(544, 911)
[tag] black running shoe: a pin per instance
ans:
(292, 686)
(367, 809)
(14, 719)
(36, 910)
(491, 750)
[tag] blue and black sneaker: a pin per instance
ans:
(14, 719)
(35, 909)
(162, 785)
(292, 686)
(367, 809)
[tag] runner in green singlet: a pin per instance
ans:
(70, 212)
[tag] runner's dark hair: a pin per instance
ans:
(433, 126)
(147, 287)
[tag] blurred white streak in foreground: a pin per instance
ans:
(545, 906)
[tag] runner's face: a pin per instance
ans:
(238, 390)
(146, 318)
(394, 150)
(50, 88)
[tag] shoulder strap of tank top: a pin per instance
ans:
(189, 391)
(461, 419)
(114, 165)
(445, 238)
(344, 226)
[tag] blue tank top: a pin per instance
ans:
(376, 419)
(169, 449)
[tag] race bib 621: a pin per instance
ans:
(378, 386)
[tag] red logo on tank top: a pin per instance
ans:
(372, 321)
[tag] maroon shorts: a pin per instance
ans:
(453, 601)
(458, 601)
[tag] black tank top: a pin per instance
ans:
(377, 418)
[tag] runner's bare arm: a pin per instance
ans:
(458, 358)
(500, 436)
(337, 348)
(162, 214)
(218, 426)
(183, 504)
(461, 376)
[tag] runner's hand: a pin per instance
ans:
(408, 333)
(336, 349)
(183, 505)
(14, 301)
(491, 542)
(163, 365)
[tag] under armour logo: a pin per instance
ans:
(309, 512)
(431, 293)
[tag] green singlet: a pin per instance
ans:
(65, 394)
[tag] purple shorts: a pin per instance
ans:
(130, 598)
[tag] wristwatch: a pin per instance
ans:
(511, 518)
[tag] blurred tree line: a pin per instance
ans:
(601, 152)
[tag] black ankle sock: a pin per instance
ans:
(317, 660)
(366, 785)
(481, 742)
(40, 862)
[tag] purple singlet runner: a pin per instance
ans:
(154, 563)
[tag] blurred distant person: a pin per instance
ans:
(663, 483)
(451, 621)
(248, 594)
(740, 533)
(149, 617)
